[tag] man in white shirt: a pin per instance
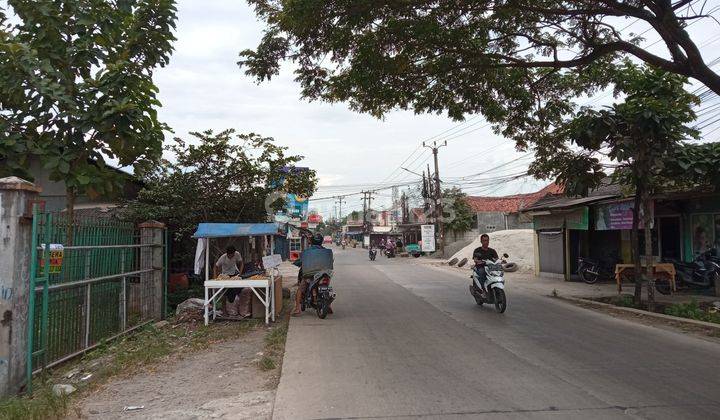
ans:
(231, 264)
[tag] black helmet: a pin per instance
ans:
(317, 239)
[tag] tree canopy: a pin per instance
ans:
(218, 177)
(636, 138)
(457, 214)
(76, 87)
(516, 62)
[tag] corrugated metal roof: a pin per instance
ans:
(567, 202)
(226, 230)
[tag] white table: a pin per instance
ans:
(219, 286)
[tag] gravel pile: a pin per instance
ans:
(517, 243)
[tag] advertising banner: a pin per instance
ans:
(617, 216)
(427, 233)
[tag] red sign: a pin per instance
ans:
(314, 218)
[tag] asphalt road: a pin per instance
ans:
(408, 341)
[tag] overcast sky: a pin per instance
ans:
(203, 88)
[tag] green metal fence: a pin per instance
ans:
(106, 284)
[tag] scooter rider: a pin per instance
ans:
(315, 243)
(480, 255)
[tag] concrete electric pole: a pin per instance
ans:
(438, 195)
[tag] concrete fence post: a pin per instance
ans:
(16, 198)
(151, 257)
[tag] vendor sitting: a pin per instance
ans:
(231, 264)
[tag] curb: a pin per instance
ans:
(641, 312)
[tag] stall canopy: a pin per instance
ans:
(226, 230)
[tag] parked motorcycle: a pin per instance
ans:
(319, 294)
(494, 285)
(591, 270)
(372, 254)
(701, 274)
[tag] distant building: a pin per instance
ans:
(500, 213)
(54, 193)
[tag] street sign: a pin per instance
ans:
(427, 233)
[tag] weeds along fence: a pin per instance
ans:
(94, 277)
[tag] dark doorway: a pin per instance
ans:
(670, 243)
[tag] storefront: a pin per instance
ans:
(683, 226)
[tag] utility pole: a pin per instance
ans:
(438, 194)
(367, 199)
(341, 199)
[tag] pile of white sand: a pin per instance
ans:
(517, 243)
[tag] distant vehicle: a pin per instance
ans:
(413, 249)
(327, 239)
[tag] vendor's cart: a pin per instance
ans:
(214, 289)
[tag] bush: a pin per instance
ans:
(692, 310)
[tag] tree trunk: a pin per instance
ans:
(649, 272)
(635, 243)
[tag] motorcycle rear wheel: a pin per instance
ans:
(586, 275)
(322, 309)
(500, 300)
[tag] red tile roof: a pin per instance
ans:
(511, 203)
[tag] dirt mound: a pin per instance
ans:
(517, 243)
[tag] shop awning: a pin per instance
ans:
(562, 203)
(227, 230)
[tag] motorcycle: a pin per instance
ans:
(319, 294)
(591, 270)
(702, 273)
(494, 284)
(390, 252)
(372, 254)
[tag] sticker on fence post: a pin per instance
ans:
(57, 253)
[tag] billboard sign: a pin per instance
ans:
(427, 233)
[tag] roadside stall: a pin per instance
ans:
(262, 283)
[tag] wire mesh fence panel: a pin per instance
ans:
(94, 277)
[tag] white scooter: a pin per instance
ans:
(494, 284)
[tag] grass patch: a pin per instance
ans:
(267, 363)
(275, 341)
(692, 310)
(44, 404)
(129, 354)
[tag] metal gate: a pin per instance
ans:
(93, 278)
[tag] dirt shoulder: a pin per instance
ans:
(223, 381)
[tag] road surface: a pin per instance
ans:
(408, 341)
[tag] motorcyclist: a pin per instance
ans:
(480, 255)
(390, 246)
(316, 242)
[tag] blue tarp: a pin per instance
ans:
(227, 230)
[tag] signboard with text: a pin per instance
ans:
(617, 216)
(272, 261)
(427, 233)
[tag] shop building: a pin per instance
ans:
(598, 226)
